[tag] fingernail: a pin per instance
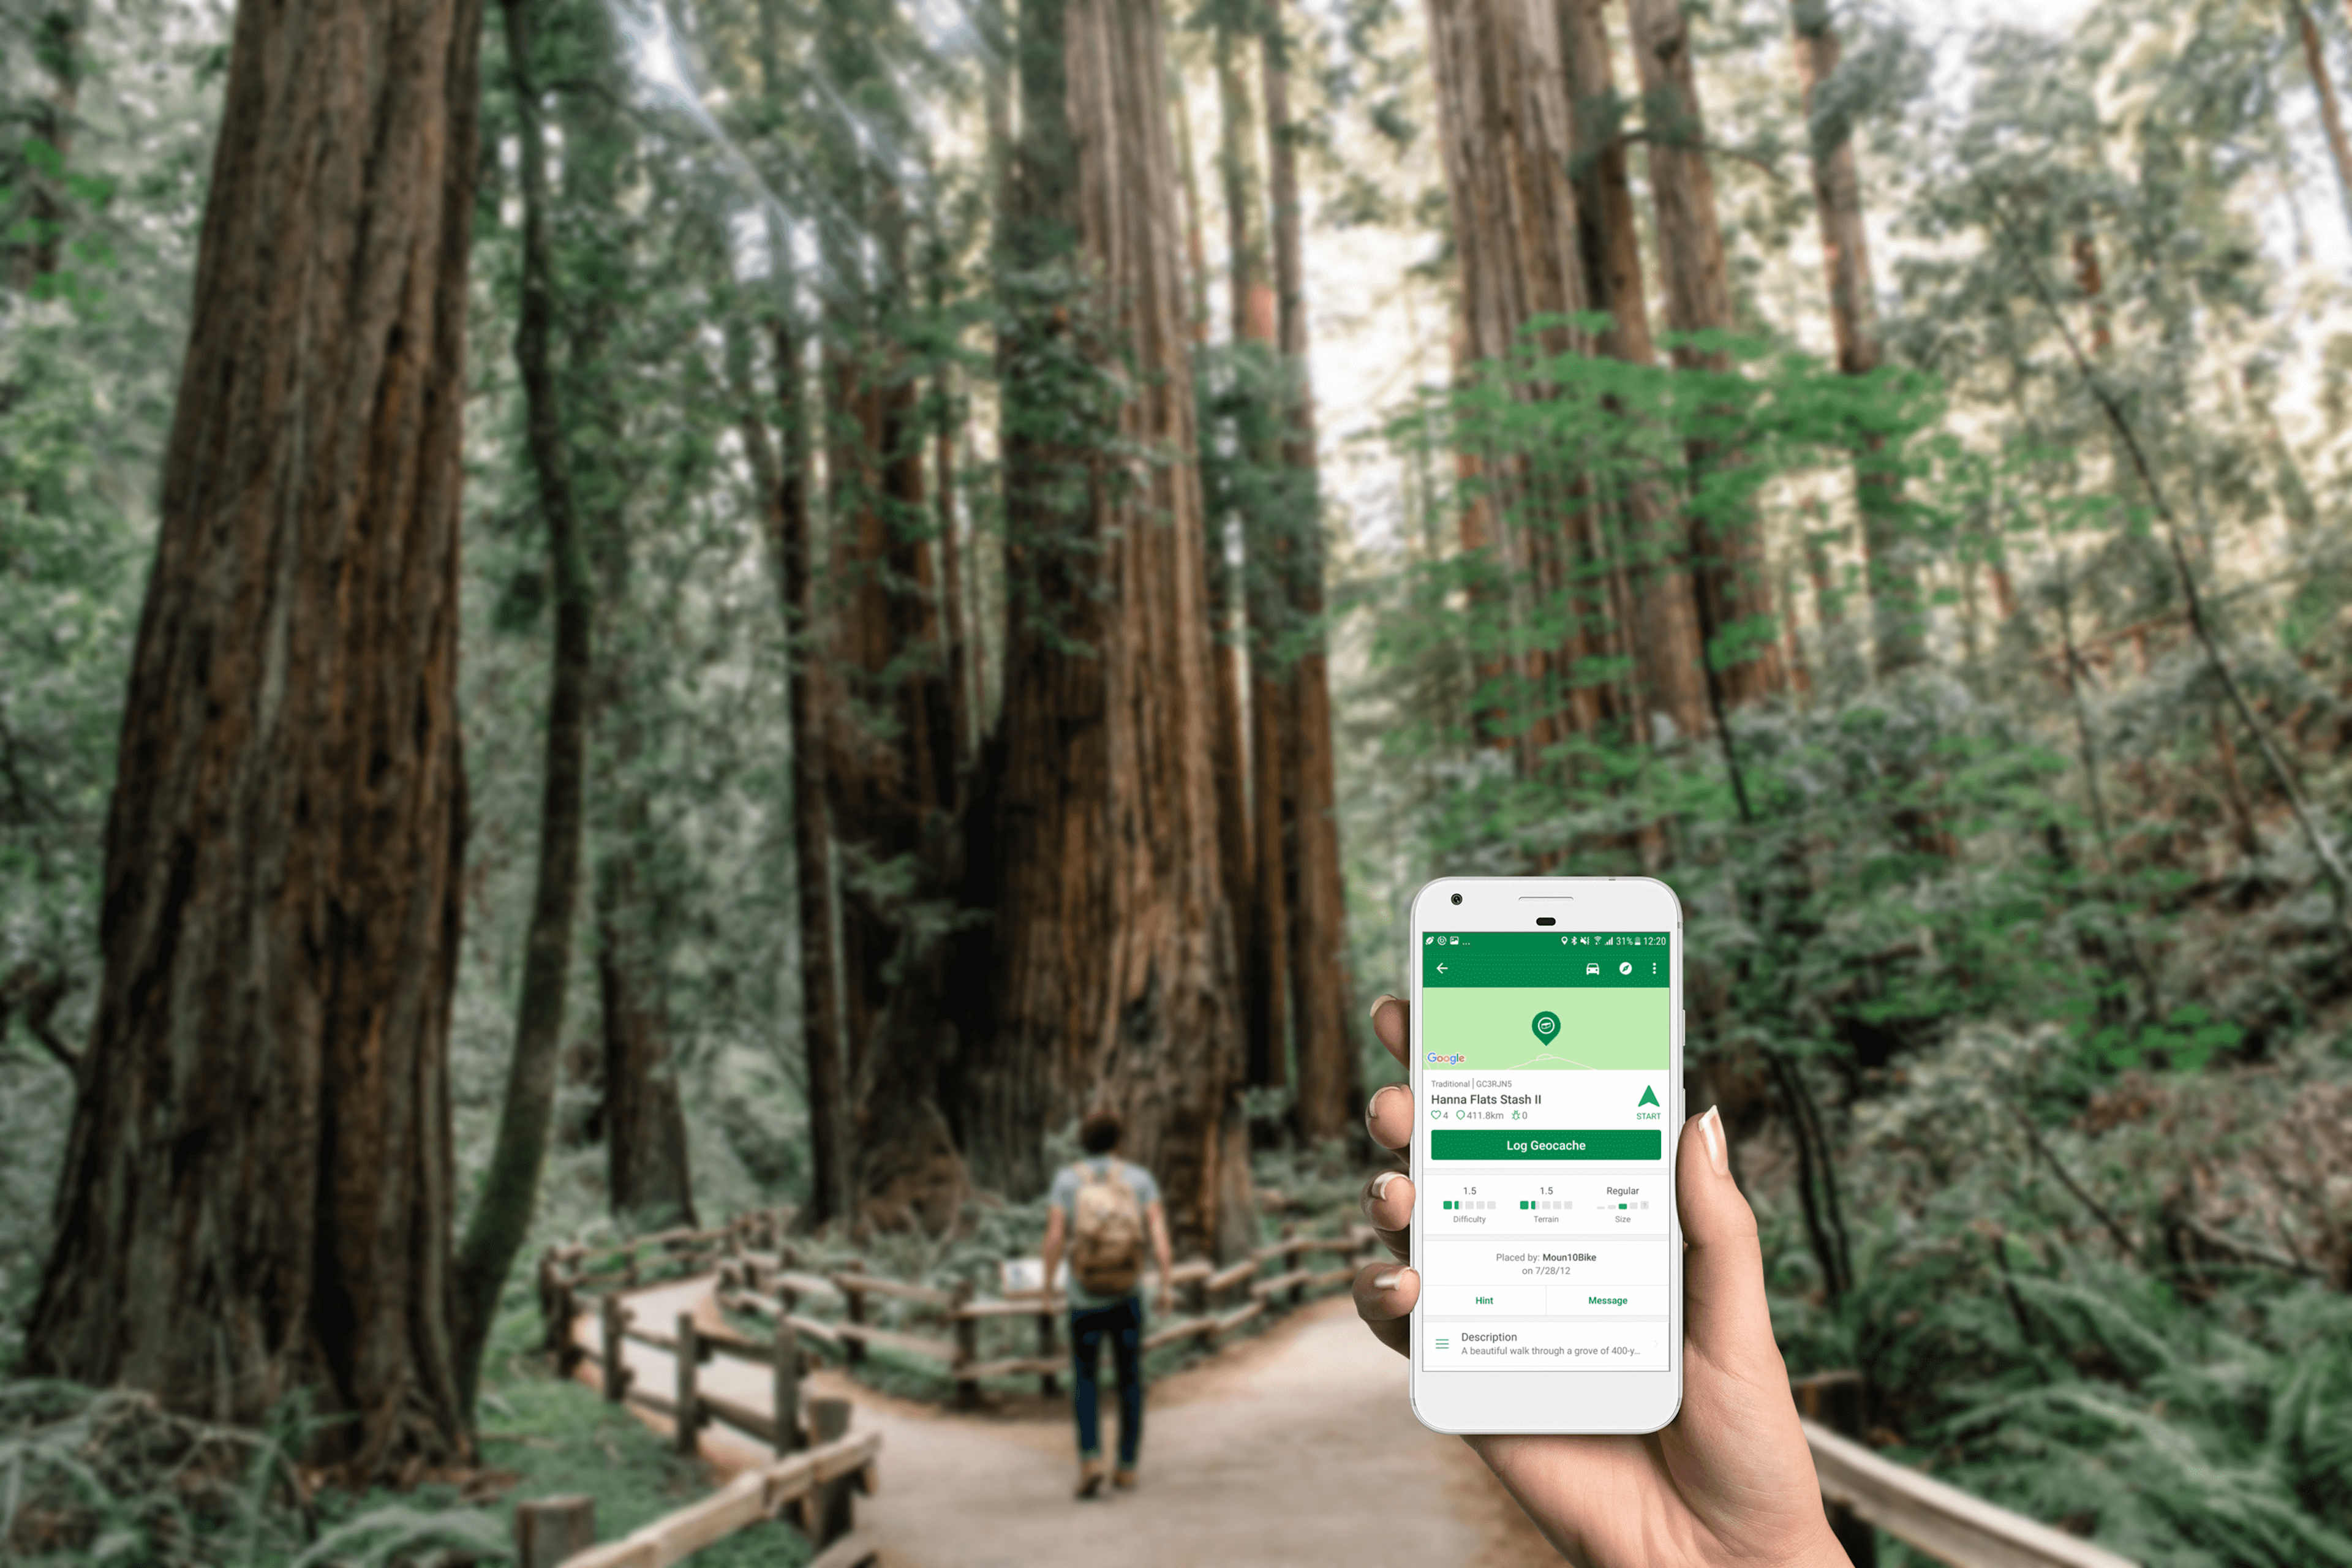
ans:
(1373, 1104)
(1388, 1279)
(1378, 1191)
(1710, 1130)
(1379, 1002)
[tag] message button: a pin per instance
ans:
(1606, 1301)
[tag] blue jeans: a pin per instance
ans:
(1122, 1324)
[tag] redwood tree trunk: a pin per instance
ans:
(1262, 904)
(649, 1183)
(787, 485)
(1114, 951)
(890, 767)
(502, 1216)
(1897, 616)
(649, 1179)
(1728, 551)
(1664, 633)
(256, 1197)
(1325, 1105)
(825, 1060)
(1504, 138)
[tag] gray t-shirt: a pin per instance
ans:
(1064, 1197)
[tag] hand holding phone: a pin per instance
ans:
(1729, 1478)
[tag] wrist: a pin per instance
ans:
(1821, 1552)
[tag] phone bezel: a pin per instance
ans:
(1462, 1403)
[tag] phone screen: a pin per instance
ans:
(1544, 1059)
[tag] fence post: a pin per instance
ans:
(551, 1528)
(967, 1344)
(784, 1371)
(829, 1420)
(1290, 1262)
(615, 1320)
(853, 1307)
(690, 1407)
(1833, 1399)
(555, 1306)
(1046, 1381)
(567, 1353)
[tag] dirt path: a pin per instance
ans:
(1292, 1448)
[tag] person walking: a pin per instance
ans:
(1103, 1209)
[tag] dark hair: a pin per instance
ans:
(1099, 1133)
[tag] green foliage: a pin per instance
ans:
(2009, 970)
(109, 1479)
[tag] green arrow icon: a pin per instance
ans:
(1649, 1097)
(1546, 1026)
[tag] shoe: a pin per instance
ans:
(1122, 1481)
(1090, 1478)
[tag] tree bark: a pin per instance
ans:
(1899, 619)
(510, 1194)
(256, 1197)
(1503, 127)
(1325, 1105)
(649, 1177)
(1664, 636)
(1727, 553)
(1114, 947)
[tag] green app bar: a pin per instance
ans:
(1605, 961)
(1496, 1145)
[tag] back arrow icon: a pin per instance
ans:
(1441, 969)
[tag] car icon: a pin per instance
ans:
(1591, 969)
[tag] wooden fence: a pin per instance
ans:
(759, 1277)
(818, 1465)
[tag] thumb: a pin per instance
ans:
(1730, 1323)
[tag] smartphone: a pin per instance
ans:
(1547, 1049)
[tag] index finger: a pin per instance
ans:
(1390, 1026)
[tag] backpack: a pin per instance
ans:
(1107, 1226)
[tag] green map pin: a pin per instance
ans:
(1546, 1026)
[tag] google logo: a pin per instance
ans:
(1433, 1060)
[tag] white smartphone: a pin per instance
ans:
(1547, 1053)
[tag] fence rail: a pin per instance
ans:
(760, 1276)
(1939, 1519)
(1864, 1491)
